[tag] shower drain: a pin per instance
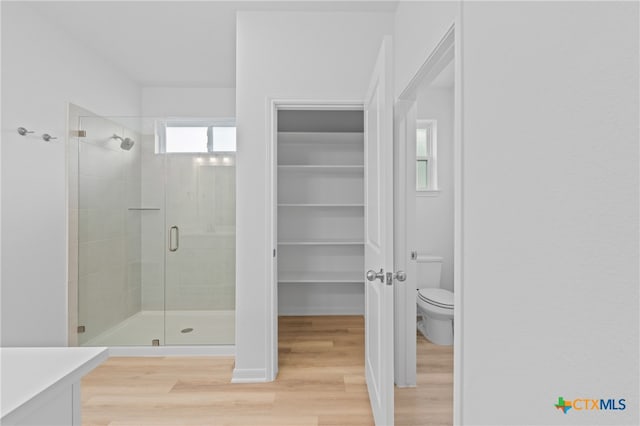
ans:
(186, 330)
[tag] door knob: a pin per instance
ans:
(373, 275)
(400, 276)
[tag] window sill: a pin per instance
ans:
(428, 193)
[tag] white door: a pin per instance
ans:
(378, 251)
(405, 242)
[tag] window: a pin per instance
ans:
(426, 164)
(193, 136)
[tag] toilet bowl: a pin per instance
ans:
(435, 306)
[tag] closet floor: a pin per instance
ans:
(320, 382)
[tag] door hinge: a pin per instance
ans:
(81, 329)
(274, 252)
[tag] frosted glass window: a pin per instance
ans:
(215, 135)
(426, 156)
(186, 139)
(224, 139)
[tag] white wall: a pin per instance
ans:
(289, 56)
(42, 70)
(188, 102)
(419, 26)
(550, 215)
(434, 213)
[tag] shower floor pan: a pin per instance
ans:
(170, 328)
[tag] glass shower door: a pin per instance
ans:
(200, 249)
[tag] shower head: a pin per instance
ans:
(126, 143)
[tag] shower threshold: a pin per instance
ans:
(209, 328)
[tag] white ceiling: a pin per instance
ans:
(176, 43)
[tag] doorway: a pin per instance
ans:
(320, 211)
(428, 236)
(376, 175)
(319, 258)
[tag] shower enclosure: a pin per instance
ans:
(155, 214)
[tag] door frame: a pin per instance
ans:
(273, 105)
(448, 49)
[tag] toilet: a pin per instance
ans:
(435, 304)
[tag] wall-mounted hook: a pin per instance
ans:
(47, 137)
(23, 132)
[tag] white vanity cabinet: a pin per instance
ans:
(41, 386)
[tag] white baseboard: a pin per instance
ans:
(406, 385)
(221, 350)
(249, 375)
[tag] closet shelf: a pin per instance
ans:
(356, 138)
(320, 242)
(320, 205)
(321, 167)
(320, 277)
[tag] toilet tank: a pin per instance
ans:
(428, 269)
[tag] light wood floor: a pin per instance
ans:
(431, 402)
(320, 382)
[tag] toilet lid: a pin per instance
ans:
(437, 297)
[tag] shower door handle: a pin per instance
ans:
(173, 247)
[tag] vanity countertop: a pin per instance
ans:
(29, 373)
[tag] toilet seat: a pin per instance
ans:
(436, 297)
(435, 308)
